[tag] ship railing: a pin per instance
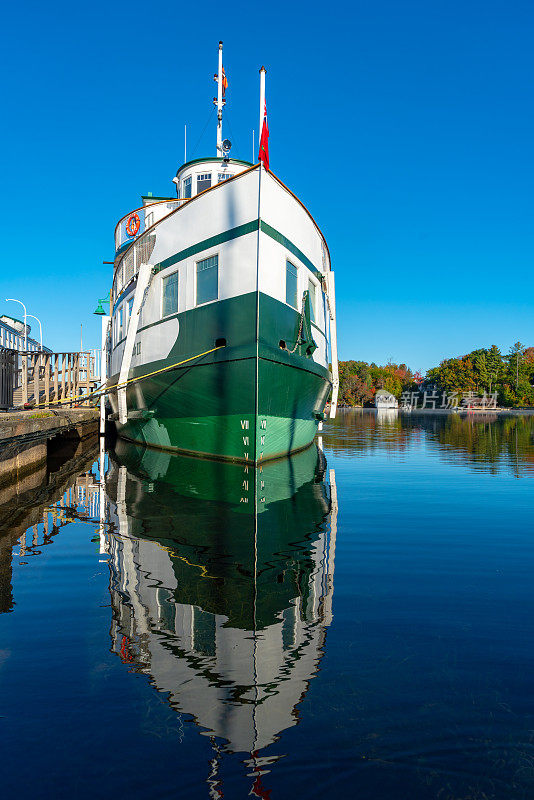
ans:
(142, 245)
(147, 215)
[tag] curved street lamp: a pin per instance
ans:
(40, 328)
(13, 300)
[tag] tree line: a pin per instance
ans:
(510, 375)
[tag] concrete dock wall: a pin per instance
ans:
(25, 439)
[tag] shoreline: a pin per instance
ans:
(514, 412)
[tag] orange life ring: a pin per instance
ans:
(133, 225)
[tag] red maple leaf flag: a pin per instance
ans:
(264, 141)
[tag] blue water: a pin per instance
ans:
(365, 629)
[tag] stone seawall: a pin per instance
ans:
(25, 439)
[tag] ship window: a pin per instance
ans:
(207, 279)
(120, 322)
(223, 176)
(291, 284)
(130, 306)
(203, 181)
(312, 294)
(169, 295)
(187, 187)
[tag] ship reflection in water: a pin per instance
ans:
(221, 587)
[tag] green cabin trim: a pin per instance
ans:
(156, 199)
(228, 236)
(235, 233)
(288, 244)
(206, 244)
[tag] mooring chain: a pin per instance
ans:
(301, 323)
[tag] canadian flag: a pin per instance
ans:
(264, 141)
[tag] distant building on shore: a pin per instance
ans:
(384, 399)
(12, 335)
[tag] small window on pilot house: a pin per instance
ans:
(187, 188)
(169, 304)
(291, 284)
(203, 181)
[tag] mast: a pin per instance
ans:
(262, 101)
(219, 102)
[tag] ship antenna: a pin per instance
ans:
(220, 101)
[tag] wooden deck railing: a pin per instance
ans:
(47, 379)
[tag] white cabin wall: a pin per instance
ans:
(158, 211)
(233, 204)
(207, 166)
(284, 213)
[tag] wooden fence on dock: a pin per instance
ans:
(49, 379)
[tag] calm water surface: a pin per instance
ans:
(355, 624)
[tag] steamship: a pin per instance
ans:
(223, 321)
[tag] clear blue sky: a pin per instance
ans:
(406, 127)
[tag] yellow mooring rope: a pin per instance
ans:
(97, 392)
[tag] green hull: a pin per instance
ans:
(249, 401)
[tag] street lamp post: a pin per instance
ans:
(13, 300)
(40, 328)
(103, 365)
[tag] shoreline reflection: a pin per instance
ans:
(491, 442)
